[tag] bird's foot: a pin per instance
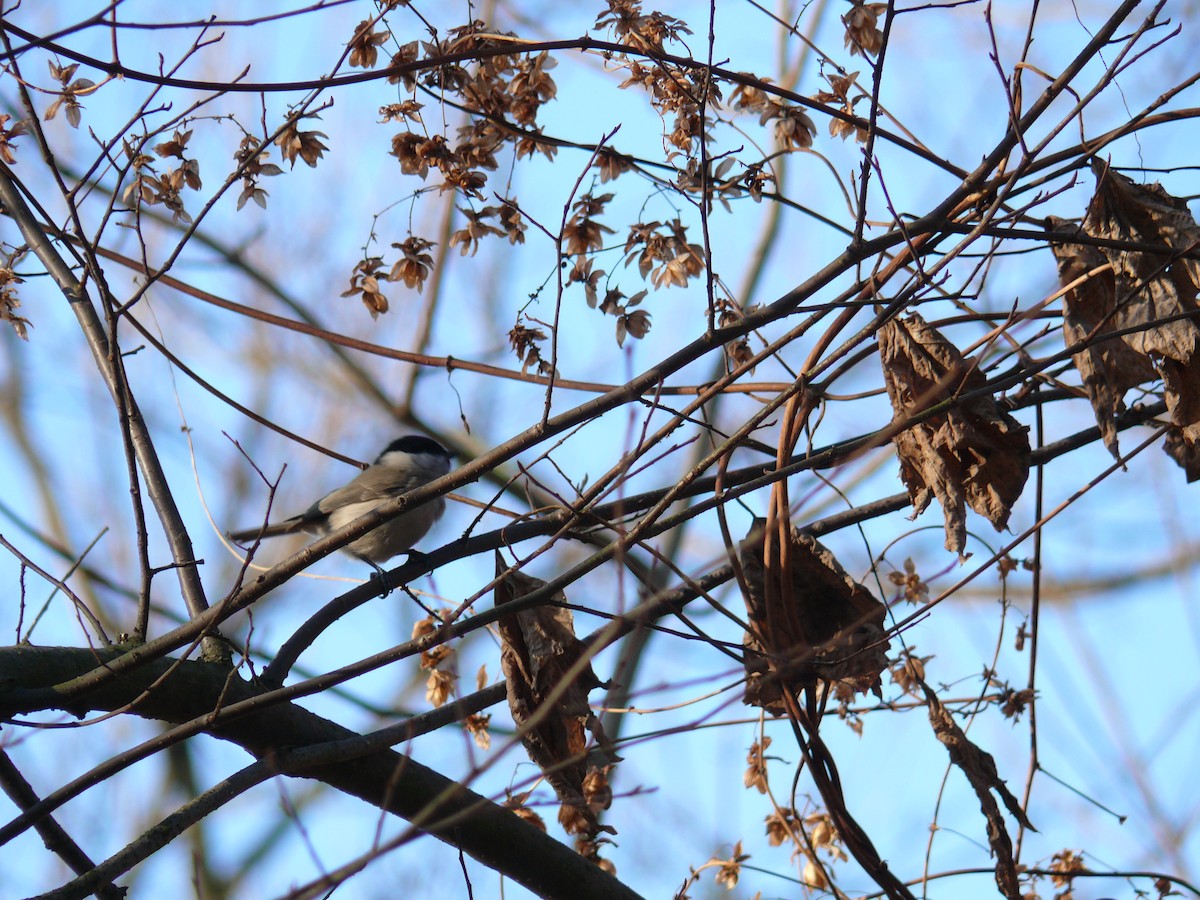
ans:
(384, 578)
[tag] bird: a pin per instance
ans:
(405, 464)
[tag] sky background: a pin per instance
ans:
(1118, 674)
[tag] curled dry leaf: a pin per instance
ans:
(972, 454)
(1108, 367)
(1151, 287)
(1153, 294)
(590, 850)
(1185, 453)
(9, 301)
(980, 769)
(756, 771)
(516, 802)
(1182, 381)
(814, 623)
(538, 650)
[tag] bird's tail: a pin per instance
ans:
(258, 532)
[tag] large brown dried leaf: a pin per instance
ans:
(538, 648)
(1108, 367)
(980, 769)
(973, 454)
(1151, 287)
(816, 624)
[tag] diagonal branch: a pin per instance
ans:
(53, 835)
(388, 780)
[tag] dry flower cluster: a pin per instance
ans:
(9, 301)
(438, 661)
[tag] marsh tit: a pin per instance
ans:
(406, 464)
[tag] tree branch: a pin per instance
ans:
(303, 744)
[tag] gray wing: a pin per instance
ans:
(368, 485)
(364, 487)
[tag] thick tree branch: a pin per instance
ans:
(385, 779)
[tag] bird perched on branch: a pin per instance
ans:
(406, 464)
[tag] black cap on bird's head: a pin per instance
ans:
(415, 443)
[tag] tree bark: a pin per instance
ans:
(385, 779)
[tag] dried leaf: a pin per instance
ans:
(1108, 367)
(1150, 286)
(538, 648)
(1182, 382)
(9, 301)
(980, 769)
(517, 804)
(1154, 293)
(1065, 865)
(973, 454)
(815, 623)
(755, 775)
(477, 726)
(1186, 454)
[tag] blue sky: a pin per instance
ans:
(1117, 666)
